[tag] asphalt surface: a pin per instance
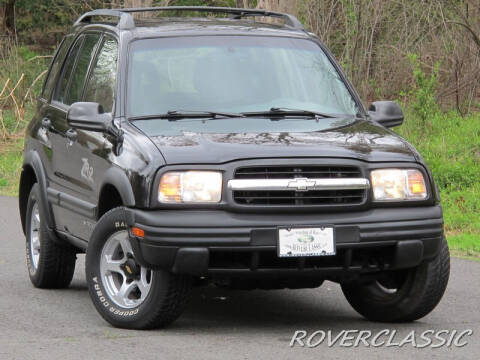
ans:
(217, 324)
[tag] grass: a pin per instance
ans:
(11, 158)
(450, 145)
(22, 73)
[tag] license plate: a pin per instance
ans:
(315, 241)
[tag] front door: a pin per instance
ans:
(71, 212)
(90, 153)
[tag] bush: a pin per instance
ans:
(423, 102)
(21, 77)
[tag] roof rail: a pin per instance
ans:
(126, 21)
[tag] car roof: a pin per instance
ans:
(239, 21)
(209, 26)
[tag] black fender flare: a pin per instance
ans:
(32, 159)
(117, 178)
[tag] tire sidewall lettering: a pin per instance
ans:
(103, 299)
(31, 270)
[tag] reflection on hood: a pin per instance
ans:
(362, 140)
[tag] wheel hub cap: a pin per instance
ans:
(131, 269)
(126, 282)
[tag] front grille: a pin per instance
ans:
(298, 198)
(327, 197)
(291, 172)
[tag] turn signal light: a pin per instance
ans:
(138, 232)
(416, 183)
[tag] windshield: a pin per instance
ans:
(234, 74)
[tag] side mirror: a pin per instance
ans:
(88, 116)
(386, 113)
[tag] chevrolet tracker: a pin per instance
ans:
(227, 150)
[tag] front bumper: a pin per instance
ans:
(217, 243)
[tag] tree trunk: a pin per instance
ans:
(244, 4)
(285, 6)
(139, 4)
(9, 17)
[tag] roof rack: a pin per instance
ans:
(126, 21)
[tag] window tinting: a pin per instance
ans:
(61, 91)
(81, 68)
(101, 85)
(55, 67)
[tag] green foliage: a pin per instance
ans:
(25, 53)
(39, 17)
(11, 158)
(21, 75)
(10, 123)
(450, 174)
(451, 148)
(20, 60)
(423, 99)
(465, 242)
(462, 210)
(227, 3)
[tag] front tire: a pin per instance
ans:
(126, 294)
(50, 265)
(405, 295)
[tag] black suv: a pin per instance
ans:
(227, 150)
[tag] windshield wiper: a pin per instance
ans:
(284, 112)
(188, 114)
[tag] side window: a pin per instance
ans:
(101, 85)
(62, 86)
(55, 67)
(81, 68)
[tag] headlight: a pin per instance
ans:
(190, 187)
(398, 184)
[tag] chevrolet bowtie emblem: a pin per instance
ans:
(301, 184)
(128, 269)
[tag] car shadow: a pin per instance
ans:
(212, 309)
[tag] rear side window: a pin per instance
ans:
(101, 85)
(80, 73)
(62, 87)
(55, 67)
(75, 69)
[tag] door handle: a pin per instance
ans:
(46, 123)
(71, 135)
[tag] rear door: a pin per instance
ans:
(44, 132)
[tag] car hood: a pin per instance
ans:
(363, 140)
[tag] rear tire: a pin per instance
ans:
(50, 265)
(406, 295)
(126, 294)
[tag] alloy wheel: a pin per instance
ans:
(126, 282)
